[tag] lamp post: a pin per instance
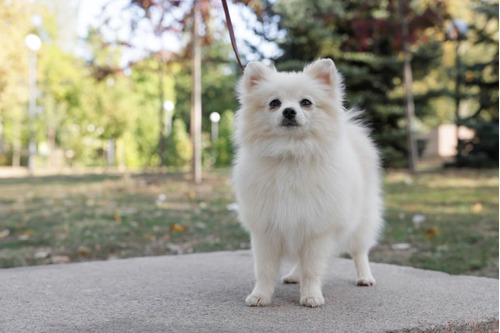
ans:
(457, 31)
(214, 119)
(168, 106)
(33, 43)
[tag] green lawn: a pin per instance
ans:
(62, 219)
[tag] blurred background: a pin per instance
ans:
(116, 119)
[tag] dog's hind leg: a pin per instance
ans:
(293, 276)
(364, 274)
(360, 245)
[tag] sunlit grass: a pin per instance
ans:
(61, 219)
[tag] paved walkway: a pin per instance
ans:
(206, 292)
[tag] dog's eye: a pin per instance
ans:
(305, 102)
(275, 103)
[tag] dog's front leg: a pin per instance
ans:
(266, 253)
(313, 261)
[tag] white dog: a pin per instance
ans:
(306, 177)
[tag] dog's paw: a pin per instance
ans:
(365, 282)
(312, 301)
(257, 300)
(290, 279)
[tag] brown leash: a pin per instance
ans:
(231, 33)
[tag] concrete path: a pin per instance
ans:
(206, 292)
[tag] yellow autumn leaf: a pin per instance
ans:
(476, 208)
(178, 227)
(117, 217)
(431, 233)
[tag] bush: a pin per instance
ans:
(482, 150)
(178, 150)
(223, 147)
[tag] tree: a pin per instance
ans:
(481, 90)
(14, 26)
(365, 40)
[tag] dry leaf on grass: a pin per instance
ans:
(431, 233)
(476, 208)
(178, 227)
(4, 233)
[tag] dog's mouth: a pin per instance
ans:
(289, 123)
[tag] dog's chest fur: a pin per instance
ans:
(296, 197)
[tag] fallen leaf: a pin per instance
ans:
(431, 233)
(42, 254)
(178, 227)
(418, 218)
(4, 233)
(117, 217)
(27, 235)
(151, 238)
(476, 208)
(84, 251)
(60, 259)
(200, 225)
(175, 249)
(401, 246)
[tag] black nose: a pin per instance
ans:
(289, 113)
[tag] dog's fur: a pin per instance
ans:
(306, 187)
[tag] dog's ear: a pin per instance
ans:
(254, 72)
(325, 71)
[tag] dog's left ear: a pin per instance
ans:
(325, 71)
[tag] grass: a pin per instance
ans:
(60, 219)
(460, 231)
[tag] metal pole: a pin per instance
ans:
(196, 97)
(215, 130)
(32, 112)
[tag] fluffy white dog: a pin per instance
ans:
(306, 177)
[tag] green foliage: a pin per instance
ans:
(364, 40)
(481, 91)
(218, 84)
(179, 150)
(482, 150)
(223, 147)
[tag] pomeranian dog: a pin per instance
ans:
(306, 177)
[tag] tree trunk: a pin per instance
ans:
(196, 97)
(161, 117)
(410, 105)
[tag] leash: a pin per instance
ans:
(231, 33)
